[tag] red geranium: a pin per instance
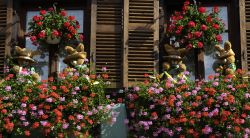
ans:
(191, 24)
(39, 23)
(43, 12)
(82, 37)
(195, 27)
(41, 34)
(69, 36)
(218, 38)
(200, 45)
(53, 23)
(33, 38)
(203, 27)
(71, 18)
(197, 34)
(202, 9)
(209, 19)
(36, 18)
(63, 13)
(216, 26)
(66, 24)
(55, 33)
(27, 133)
(216, 9)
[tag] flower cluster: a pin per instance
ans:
(194, 27)
(53, 24)
(219, 107)
(74, 104)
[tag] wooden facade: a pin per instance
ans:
(125, 35)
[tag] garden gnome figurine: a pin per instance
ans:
(24, 58)
(76, 57)
(226, 58)
(172, 64)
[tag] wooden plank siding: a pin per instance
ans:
(5, 31)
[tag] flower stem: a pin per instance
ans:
(195, 2)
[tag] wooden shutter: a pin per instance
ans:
(106, 37)
(142, 39)
(245, 33)
(124, 37)
(5, 30)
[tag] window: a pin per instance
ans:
(209, 56)
(43, 60)
(200, 64)
(76, 9)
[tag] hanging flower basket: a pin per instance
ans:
(194, 27)
(53, 26)
(54, 41)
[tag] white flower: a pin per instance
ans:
(75, 101)
(96, 82)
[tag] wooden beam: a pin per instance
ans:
(156, 35)
(9, 27)
(199, 64)
(125, 43)
(243, 27)
(53, 60)
(93, 35)
(234, 30)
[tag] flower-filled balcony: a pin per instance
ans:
(76, 102)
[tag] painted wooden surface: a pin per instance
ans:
(6, 18)
(125, 37)
(143, 38)
(106, 49)
(119, 129)
(245, 32)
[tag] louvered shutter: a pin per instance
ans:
(143, 36)
(124, 37)
(5, 30)
(106, 49)
(245, 33)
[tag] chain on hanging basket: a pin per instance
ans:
(194, 27)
